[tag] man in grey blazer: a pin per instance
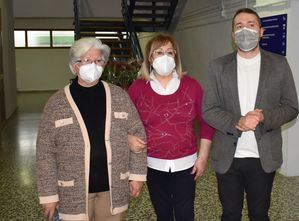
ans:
(249, 95)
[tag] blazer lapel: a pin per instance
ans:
(264, 74)
(232, 75)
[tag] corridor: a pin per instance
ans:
(18, 197)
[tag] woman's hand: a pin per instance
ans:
(199, 168)
(49, 210)
(135, 188)
(202, 160)
(136, 144)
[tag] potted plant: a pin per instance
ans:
(121, 73)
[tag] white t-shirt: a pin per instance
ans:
(248, 80)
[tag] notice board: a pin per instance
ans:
(275, 34)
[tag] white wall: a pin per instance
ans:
(40, 23)
(42, 69)
(290, 131)
(64, 8)
(204, 34)
(8, 57)
(290, 167)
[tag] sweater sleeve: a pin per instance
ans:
(206, 131)
(46, 158)
(132, 91)
(138, 163)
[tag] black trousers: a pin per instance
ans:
(172, 194)
(245, 175)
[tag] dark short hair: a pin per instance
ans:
(248, 11)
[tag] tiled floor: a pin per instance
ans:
(18, 198)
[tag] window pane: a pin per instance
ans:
(63, 38)
(38, 38)
(107, 35)
(20, 38)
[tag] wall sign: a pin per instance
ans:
(275, 34)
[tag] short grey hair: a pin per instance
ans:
(81, 46)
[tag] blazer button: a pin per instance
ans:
(235, 143)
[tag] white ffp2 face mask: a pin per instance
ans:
(164, 65)
(246, 39)
(90, 72)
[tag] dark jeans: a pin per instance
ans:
(245, 174)
(172, 194)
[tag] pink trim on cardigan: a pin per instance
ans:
(85, 138)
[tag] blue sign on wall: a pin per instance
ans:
(275, 34)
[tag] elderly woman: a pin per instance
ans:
(168, 103)
(84, 165)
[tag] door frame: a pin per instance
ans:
(2, 95)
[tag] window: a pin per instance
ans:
(20, 39)
(38, 38)
(43, 38)
(63, 38)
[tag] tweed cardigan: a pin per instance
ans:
(63, 152)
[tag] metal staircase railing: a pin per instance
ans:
(111, 32)
(138, 16)
(171, 10)
(127, 10)
(77, 18)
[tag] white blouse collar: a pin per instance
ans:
(171, 87)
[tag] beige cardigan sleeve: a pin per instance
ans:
(46, 157)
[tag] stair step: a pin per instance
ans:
(153, 1)
(115, 25)
(121, 55)
(150, 7)
(100, 28)
(83, 33)
(139, 15)
(115, 51)
(148, 23)
(116, 44)
(121, 52)
(112, 36)
(114, 41)
(104, 23)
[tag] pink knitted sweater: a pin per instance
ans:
(169, 119)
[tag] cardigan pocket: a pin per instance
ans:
(124, 176)
(63, 183)
(121, 115)
(63, 122)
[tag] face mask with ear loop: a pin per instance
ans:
(246, 39)
(164, 65)
(90, 72)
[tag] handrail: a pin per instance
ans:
(76, 5)
(173, 5)
(131, 34)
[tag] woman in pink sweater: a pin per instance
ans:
(169, 103)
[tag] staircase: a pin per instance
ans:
(112, 33)
(150, 15)
(121, 35)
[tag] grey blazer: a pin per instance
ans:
(276, 96)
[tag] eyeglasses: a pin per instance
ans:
(89, 61)
(160, 52)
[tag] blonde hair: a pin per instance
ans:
(155, 43)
